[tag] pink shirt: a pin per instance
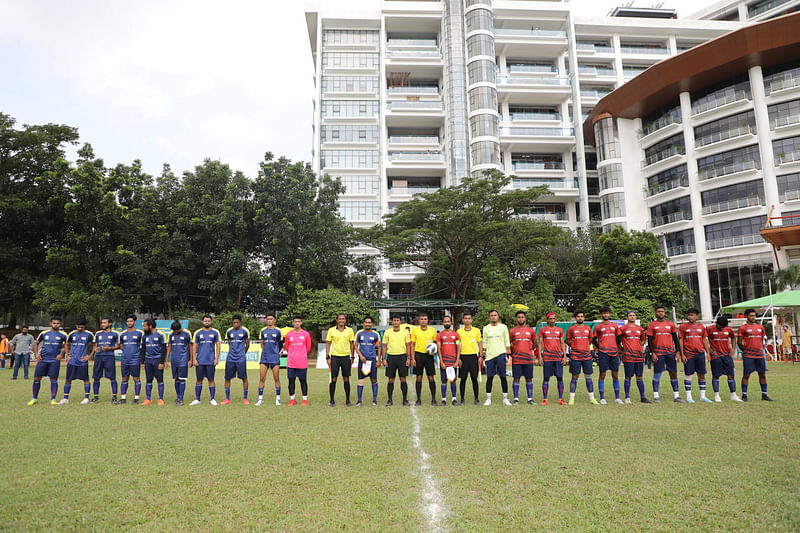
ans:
(298, 344)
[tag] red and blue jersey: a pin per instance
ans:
(551, 343)
(449, 340)
(606, 335)
(752, 336)
(720, 340)
(79, 342)
(692, 335)
(522, 344)
(632, 338)
(50, 344)
(579, 337)
(663, 342)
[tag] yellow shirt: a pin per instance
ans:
(469, 340)
(421, 338)
(395, 341)
(787, 339)
(340, 340)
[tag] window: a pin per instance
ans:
(349, 158)
(537, 162)
(484, 124)
(349, 134)
(738, 278)
(610, 176)
(782, 79)
(661, 118)
(672, 211)
(482, 98)
(360, 210)
(730, 162)
(734, 233)
(667, 180)
(365, 37)
(356, 60)
(714, 98)
(360, 184)
(516, 66)
(726, 128)
(664, 149)
(786, 150)
(679, 242)
(350, 84)
(485, 153)
(533, 113)
(605, 132)
(789, 187)
(482, 70)
(784, 113)
(613, 205)
(479, 19)
(747, 194)
(349, 108)
(480, 45)
(544, 212)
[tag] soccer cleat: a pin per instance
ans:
(735, 398)
(160, 402)
(195, 402)
(85, 401)
(53, 402)
(65, 401)
(645, 400)
(406, 403)
(331, 404)
(444, 402)
(226, 401)
(531, 402)
(571, 401)
(180, 403)
(33, 401)
(690, 400)
(122, 401)
(277, 400)
(358, 404)
(94, 399)
(744, 397)
(455, 402)
(117, 402)
(304, 402)
(147, 402)
(175, 402)
(561, 401)
(136, 401)
(213, 402)
(389, 403)
(476, 402)
(348, 403)
(434, 403)
(418, 402)
(656, 400)
(259, 403)
(488, 401)
(516, 401)
(705, 400)
(766, 398)
(374, 403)
(717, 398)
(618, 401)
(246, 401)
(506, 402)
(627, 401)
(292, 402)
(594, 402)
(679, 400)
(544, 402)
(603, 401)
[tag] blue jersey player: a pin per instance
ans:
(270, 358)
(49, 350)
(105, 363)
(368, 343)
(238, 338)
(205, 357)
(179, 348)
(131, 341)
(153, 355)
(78, 352)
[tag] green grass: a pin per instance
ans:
(668, 467)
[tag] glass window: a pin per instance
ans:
(610, 176)
(672, 211)
(738, 278)
(537, 162)
(612, 205)
(678, 242)
(664, 149)
(789, 187)
(350, 60)
(485, 153)
(605, 132)
(726, 128)
(747, 194)
(359, 210)
(480, 45)
(349, 108)
(482, 98)
(533, 113)
(786, 150)
(784, 113)
(360, 184)
(350, 84)
(349, 158)
(479, 19)
(667, 180)
(364, 37)
(782, 77)
(482, 70)
(484, 124)
(734, 232)
(730, 162)
(716, 97)
(348, 133)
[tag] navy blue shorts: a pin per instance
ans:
(105, 366)
(751, 364)
(79, 372)
(575, 367)
(205, 372)
(665, 362)
(47, 368)
(633, 369)
(131, 370)
(522, 371)
(496, 366)
(180, 372)
(552, 368)
(373, 373)
(694, 364)
(722, 366)
(299, 373)
(608, 362)
(270, 365)
(151, 370)
(235, 369)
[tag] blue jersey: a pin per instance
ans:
(78, 346)
(131, 346)
(237, 344)
(180, 342)
(154, 347)
(105, 339)
(366, 341)
(271, 353)
(206, 341)
(50, 344)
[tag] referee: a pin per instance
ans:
(471, 346)
(339, 354)
(394, 356)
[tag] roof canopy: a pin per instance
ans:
(781, 300)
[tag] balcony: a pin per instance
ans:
(660, 123)
(559, 34)
(527, 115)
(414, 157)
(682, 249)
(590, 70)
(527, 42)
(668, 185)
(527, 138)
(552, 184)
(785, 120)
(736, 240)
(537, 132)
(730, 205)
(784, 80)
(790, 196)
(413, 139)
(594, 93)
(632, 49)
(632, 72)
(552, 217)
(725, 170)
(413, 89)
(787, 158)
(424, 55)
(545, 91)
(415, 105)
(719, 136)
(536, 165)
(762, 7)
(403, 267)
(411, 190)
(520, 68)
(593, 48)
(403, 43)
(652, 159)
(719, 99)
(562, 81)
(677, 216)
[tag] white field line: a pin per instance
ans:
(432, 498)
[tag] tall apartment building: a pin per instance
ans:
(413, 95)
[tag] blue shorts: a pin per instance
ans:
(751, 364)
(299, 373)
(205, 372)
(105, 366)
(696, 363)
(607, 362)
(522, 371)
(47, 368)
(180, 372)
(496, 366)
(131, 370)
(633, 369)
(552, 368)
(151, 370)
(722, 366)
(270, 365)
(373, 374)
(236, 369)
(79, 372)
(665, 361)
(576, 365)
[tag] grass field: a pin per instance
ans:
(668, 467)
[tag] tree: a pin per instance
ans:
(320, 307)
(788, 278)
(362, 277)
(619, 300)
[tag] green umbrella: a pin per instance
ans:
(781, 300)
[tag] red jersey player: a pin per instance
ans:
(522, 338)
(694, 352)
(449, 346)
(552, 351)
(605, 341)
(662, 341)
(751, 342)
(631, 342)
(722, 344)
(579, 340)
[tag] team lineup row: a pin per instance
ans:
(459, 354)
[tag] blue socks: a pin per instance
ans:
(244, 393)
(148, 389)
(627, 387)
(67, 387)
(277, 391)
(616, 388)
(212, 391)
(674, 383)
(589, 384)
(36, 386)
(86, 389)
(114, 387)
(528, 388)
(227, 393)
(53, 389)
(198, 389)
(161, 390)
(375, 391)
(715, 384)
(573, 385)
(137, 388)
(260, 392)
(96, 387)
(178, 389)
(124, 388)
(732, 385)
(560, 390)
(763, 389)
(444, 390)
(545, 389)
(640, 385)
(181, 389)
(601, 386)
(515, 386)
(359, 391)
(687, 384)
(656, 381)
(701, 383)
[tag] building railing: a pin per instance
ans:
(411, 42)
(561, 34)
(718, 136)
(680, 250)
(541, 132)
(555, 80)
(736, 240)
(416, 156)
(412, 190)
(402, 105)
(724, 170)
(553, 184)
(661, 122)
(552, 217)
(783, 80)
(662, 155)
(720, 99)
(785, 120)
(413, 139)
(404, 266)
(430, 54)
(784, 158)
(730, 205)
(597, 71)
(526, 115)
(594, 93)
(665, 186)
(425, 89)
(537, 165)
(788, 196)
(631, 72)
(400, 296)
(668, 219)
(591, 47)
(757, 9)
(520, 68)
(652, 50)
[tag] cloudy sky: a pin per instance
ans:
(173, 81)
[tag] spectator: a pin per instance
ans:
(3, 350)
(786, 346)
(21, 344)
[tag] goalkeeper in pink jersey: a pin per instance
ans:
(298, 346)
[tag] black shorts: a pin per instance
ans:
(78, 372)
(105, 366)
(180, 372)
(425, 363)
(396, 364)
(202, 372)
(340, 362)
(151, 370)
(469, 365)
(235, 369)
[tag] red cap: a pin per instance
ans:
(551, 314)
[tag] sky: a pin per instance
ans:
(174, 81)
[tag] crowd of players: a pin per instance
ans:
(459, 354)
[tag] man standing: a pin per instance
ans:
(205, 357)
(662, 341)
(394, 356)
(496, 347)
(786, 343)
(722, 344)
(339, 353)
(5, 351)
(78, 353)
(552, 356)
(238, 339)
(421, 360)
(694, 352)
(153, 356)
(448, 346)
(522, 338)
(22, 346)
(605, 341)
(131, 341)
(631, 339)
(471, 346)
(579, 340)
(368, 343)
(270, 359)
(179, 347)
(105, 363)
(751, 342)
(298, 348)
(49, 350)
